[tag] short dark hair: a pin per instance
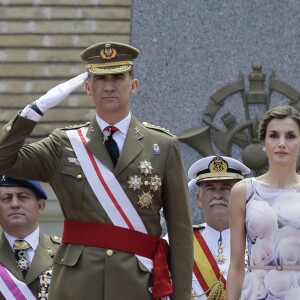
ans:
(279, 112)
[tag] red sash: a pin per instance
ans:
(104, 235)
(205, 267)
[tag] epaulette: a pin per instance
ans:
(76, 126)
(155, 127)
(199, 226)
(55, 239)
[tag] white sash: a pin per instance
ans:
(12, 288)
(107, 189)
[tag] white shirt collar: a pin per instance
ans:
(32, 239)
(122, 125)
(215, 234)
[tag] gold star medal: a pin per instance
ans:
(145, 200)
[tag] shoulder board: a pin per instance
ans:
(198, 226)
(55, 239)
(76, 126)
(155, 127)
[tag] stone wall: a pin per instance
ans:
(190, 49)
(40, 43)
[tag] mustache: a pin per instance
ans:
(218, 202)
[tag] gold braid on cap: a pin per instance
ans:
(218, 168)
(109, 64)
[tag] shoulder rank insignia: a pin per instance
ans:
(198, 226)
(151, 126)
(55, 239)
(76, 126)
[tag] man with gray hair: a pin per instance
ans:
(215, 176)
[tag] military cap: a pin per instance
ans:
(109, 58)
(216, 168)
(30, 184)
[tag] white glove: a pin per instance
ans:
(60, 92)
(53, 97)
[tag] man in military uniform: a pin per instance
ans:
(26, 254)
(112, 176)
(215, 176)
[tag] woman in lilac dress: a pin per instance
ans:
(265, 213)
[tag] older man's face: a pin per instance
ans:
(213, 198)
(19, 209)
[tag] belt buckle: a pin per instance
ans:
(279, 268)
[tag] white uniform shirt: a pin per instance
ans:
(211, 237)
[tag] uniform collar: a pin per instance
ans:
(32, 239)
(122, 125)
(215, 234)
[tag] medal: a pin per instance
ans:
(145, 200)
(220, 258)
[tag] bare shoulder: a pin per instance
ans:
(238, 195)
(239, 187)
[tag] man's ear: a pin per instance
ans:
(199, 198)
(87, 86)
(134, 86)
(41, 204)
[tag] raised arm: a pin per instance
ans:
(237, 214)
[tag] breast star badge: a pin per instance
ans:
(155, 183)
(145, 167)
(135, 182)
(145, 200)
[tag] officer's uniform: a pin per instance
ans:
(39, 275)
(216, 243)
(85, 272)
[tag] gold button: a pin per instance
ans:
(109, 252)
(146, 182)
(8, 128)
(79, 176)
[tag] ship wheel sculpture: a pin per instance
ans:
(244, 134)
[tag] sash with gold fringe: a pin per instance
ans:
(205, 267)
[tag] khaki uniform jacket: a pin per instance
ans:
(42, 261)
(82, 272)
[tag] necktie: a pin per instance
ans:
(110, 144)
(20, 247)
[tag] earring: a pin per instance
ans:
(264, 149)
